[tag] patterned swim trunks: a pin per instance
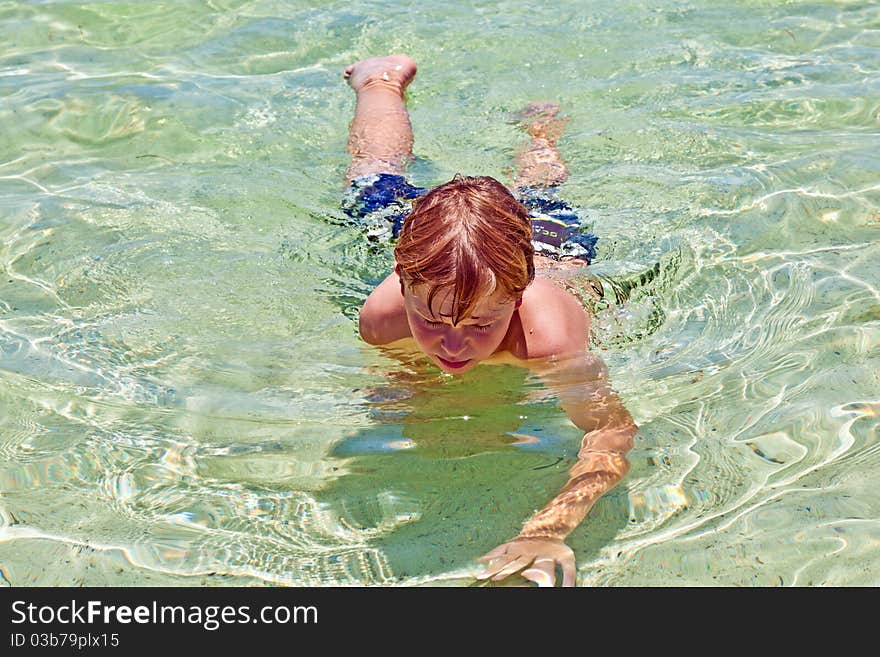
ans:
(380, 203)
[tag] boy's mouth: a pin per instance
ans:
(453, 364)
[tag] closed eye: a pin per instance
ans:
(433, 324)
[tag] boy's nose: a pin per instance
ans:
(453, 342)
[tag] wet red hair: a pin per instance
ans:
(469, 235)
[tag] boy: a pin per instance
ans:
(464, 291)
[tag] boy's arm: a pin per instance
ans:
(383, 319)
(581, 382)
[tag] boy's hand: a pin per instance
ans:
(538, 556)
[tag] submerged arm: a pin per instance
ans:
(583, 387)
(589, 402)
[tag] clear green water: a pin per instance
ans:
(183, 396)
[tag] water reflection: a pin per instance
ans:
(465, 460)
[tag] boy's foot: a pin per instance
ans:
(535, 110)
(541, 122)
(394, 70)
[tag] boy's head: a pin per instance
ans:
(464, 257)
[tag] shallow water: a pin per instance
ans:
(183, 396)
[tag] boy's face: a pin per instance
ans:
(456, 349)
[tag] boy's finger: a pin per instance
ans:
(515, 565)
(568, 570)
(495, 568)
(540, 575)
(497, 552)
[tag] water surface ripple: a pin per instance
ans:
(183, 396)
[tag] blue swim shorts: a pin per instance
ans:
(380, 202)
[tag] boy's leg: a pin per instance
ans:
(380, 139)
(540, 163)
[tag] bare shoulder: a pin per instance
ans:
(554, 323)
(383, 318)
